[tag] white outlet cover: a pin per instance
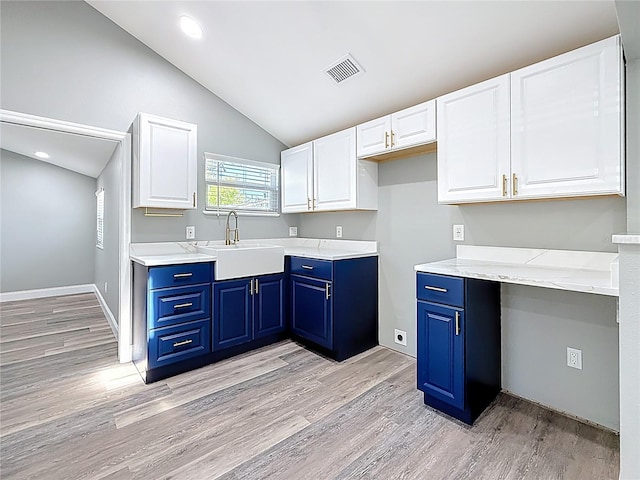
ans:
(458, 233)
(293, 231)
(191, 232)
(338, 231)
(574, 358)
(400, 337)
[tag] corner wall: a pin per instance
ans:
(48, 225)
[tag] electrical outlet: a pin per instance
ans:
(458, 233)
(293, 231)
(400, 337)
(106, 287)
(338, 231)
(574, 358)
(191, 232)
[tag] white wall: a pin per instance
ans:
(412, 228)
(48, 225)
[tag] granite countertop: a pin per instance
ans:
(589, 272)
(171, 253)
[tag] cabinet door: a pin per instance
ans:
(165, 163)
(232, 312)
(414, 126)
(335, 169)
(473, 143)
(311, 315)
(268, 306)
(296, 167)
(441, 353)
(567, 120)
(374, 136)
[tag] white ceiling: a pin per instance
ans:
(267, 58)
(80, 153)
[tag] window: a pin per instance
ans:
(242, 185)
(100, 218)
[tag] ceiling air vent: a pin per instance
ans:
(344, 68)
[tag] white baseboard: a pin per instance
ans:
(46, 292)
(107, 312)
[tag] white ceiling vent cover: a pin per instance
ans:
(344, 68)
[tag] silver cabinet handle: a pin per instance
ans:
(457, 323)
(179, 344)
(183, 305)
(436, 289)
(327, 290)
(257, 287)
(183, 275)
(251, 288)
(307, 267)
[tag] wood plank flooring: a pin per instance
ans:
(70, 411)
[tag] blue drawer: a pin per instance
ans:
(311, 267)
(173, 344)
(440, 289)
(170, 306)
(177, 275)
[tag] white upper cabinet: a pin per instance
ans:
(297, 181)
(407, 128)
(165, 165)
(566, 124)
(553, 129)
(473, 143)
(325, 175)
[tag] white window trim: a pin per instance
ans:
(100, 219)
(224, 211)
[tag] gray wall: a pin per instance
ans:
(412, 228)
(48, 225)
(97, 74)
(106, 259)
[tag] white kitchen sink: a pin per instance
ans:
(245, 259)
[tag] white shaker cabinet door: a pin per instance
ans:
(567, 120)
(374, 136)
(335, 170)
(164, 163)
(473, 143)
(414, 125)
(296, 174)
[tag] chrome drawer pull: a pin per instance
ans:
(457, 323)
(179, 344)
(182, 275)
(183, 305)
(307, 267)
(327, 291)
(436, 289)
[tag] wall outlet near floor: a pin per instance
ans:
(293, 231)
(400, 337)
(191, 232)
(574, 358)
(338, 231)
(458, 233)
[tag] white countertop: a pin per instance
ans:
(170, 253)
(589, 272)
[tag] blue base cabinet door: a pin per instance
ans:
(311, 310)
(232, 313)
(268, 306)
(441, 353)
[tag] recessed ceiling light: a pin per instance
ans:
(41, 154)
(190, 27)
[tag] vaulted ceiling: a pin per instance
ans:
(267, 58)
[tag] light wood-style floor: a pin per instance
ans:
(69, 410)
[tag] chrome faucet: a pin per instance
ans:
(227, 235)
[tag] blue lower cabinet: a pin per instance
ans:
(232, 313)
(173, 344)
(441, 353)
(247, 309)
(458, 344)
(268, 306)
(333, 305)
(311, 316)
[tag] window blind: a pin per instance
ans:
(242, 185)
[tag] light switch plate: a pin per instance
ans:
(191, 232)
